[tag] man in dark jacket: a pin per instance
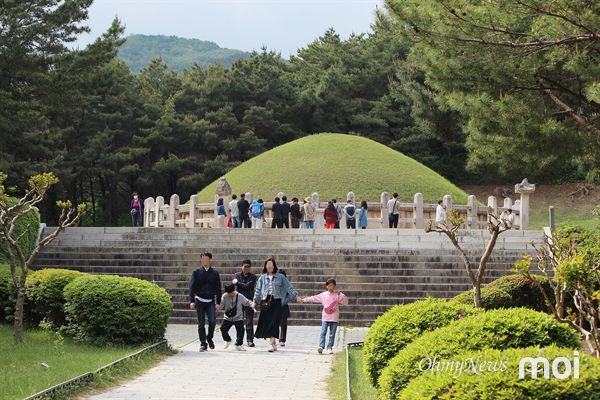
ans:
(276, 222)
(245, 282)
(205, 298)
(243, 208)
(284, 213)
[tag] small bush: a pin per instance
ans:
(45, 299)
(491, 298)
(115, 309)
(523, 291)
(402, 324)
(501, 380)
(495, 329)
(31, 222)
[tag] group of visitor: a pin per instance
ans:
(245, 294)
(242, 214)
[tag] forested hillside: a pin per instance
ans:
(177, 53)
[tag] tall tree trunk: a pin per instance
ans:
(19, 313)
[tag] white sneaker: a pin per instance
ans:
(330, 351)
(240, 348)
(272, 348)
(227, 344)
(320, 350)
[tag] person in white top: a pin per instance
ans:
(234, 212)
(507, 218)
(440, 214)
(393, 210)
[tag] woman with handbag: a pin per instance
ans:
(271, 294)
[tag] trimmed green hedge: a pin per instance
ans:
(491, 298)
(106, 308)
(45, 298)
(402, 324)
(31, 219)
(500, 378)
(495, 329)
(523, 291)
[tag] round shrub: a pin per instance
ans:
(499, 378)
(491, 298)
(402, 324)
(45, 299)
(106, 308)
(523, 291)
(495, 329)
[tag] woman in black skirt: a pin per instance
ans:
(271, 294)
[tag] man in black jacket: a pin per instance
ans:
(205, 298)
(276, 222)
(245, 282)
(243, 208)
(284, 211)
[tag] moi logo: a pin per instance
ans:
(535, 362)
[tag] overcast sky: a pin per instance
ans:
(281, 25)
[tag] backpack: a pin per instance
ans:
(257, 210)
(350, 211)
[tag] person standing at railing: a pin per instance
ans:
(221, 214)
(350, 212)
(244, 212)
(257, 209)
(137, 210)
(296, 213)
(309, 214)
(234, 212)
(276, 222)
(285, 213)
(393, 211)
(340, 212)
(330, 215)
(363, 215)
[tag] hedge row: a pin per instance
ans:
(402, 324)
(98, 308)
(494, 329)
(499, 378)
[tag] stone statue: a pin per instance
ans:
(223, 188)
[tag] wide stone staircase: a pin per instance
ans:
(376, 269)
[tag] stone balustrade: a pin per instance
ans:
(415, 214)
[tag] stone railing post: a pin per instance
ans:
(193, 215)
(507, 203)
(448, 205)
(472, 217)
(158, 211)
(524, 189)
(173, 211)
(418, 211)
(148, 211)
(493, 204)
(319, 223)
(385, 197)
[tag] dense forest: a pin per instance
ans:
(177, 53)
(475, 100)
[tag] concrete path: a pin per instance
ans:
(294, 372)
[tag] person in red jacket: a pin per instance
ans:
(331, 216)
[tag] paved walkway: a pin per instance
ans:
(293, 372)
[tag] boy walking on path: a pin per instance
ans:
(330, 299)
(205, 291)
(245, 282)
(232, 303)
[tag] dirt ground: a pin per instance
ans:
(567, 208)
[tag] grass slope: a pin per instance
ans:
(332, 165)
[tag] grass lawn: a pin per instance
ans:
(333, 165)
(360, 388)
(23, 373)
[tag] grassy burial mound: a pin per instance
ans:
(332, 165)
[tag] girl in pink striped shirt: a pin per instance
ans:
(330, 300)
